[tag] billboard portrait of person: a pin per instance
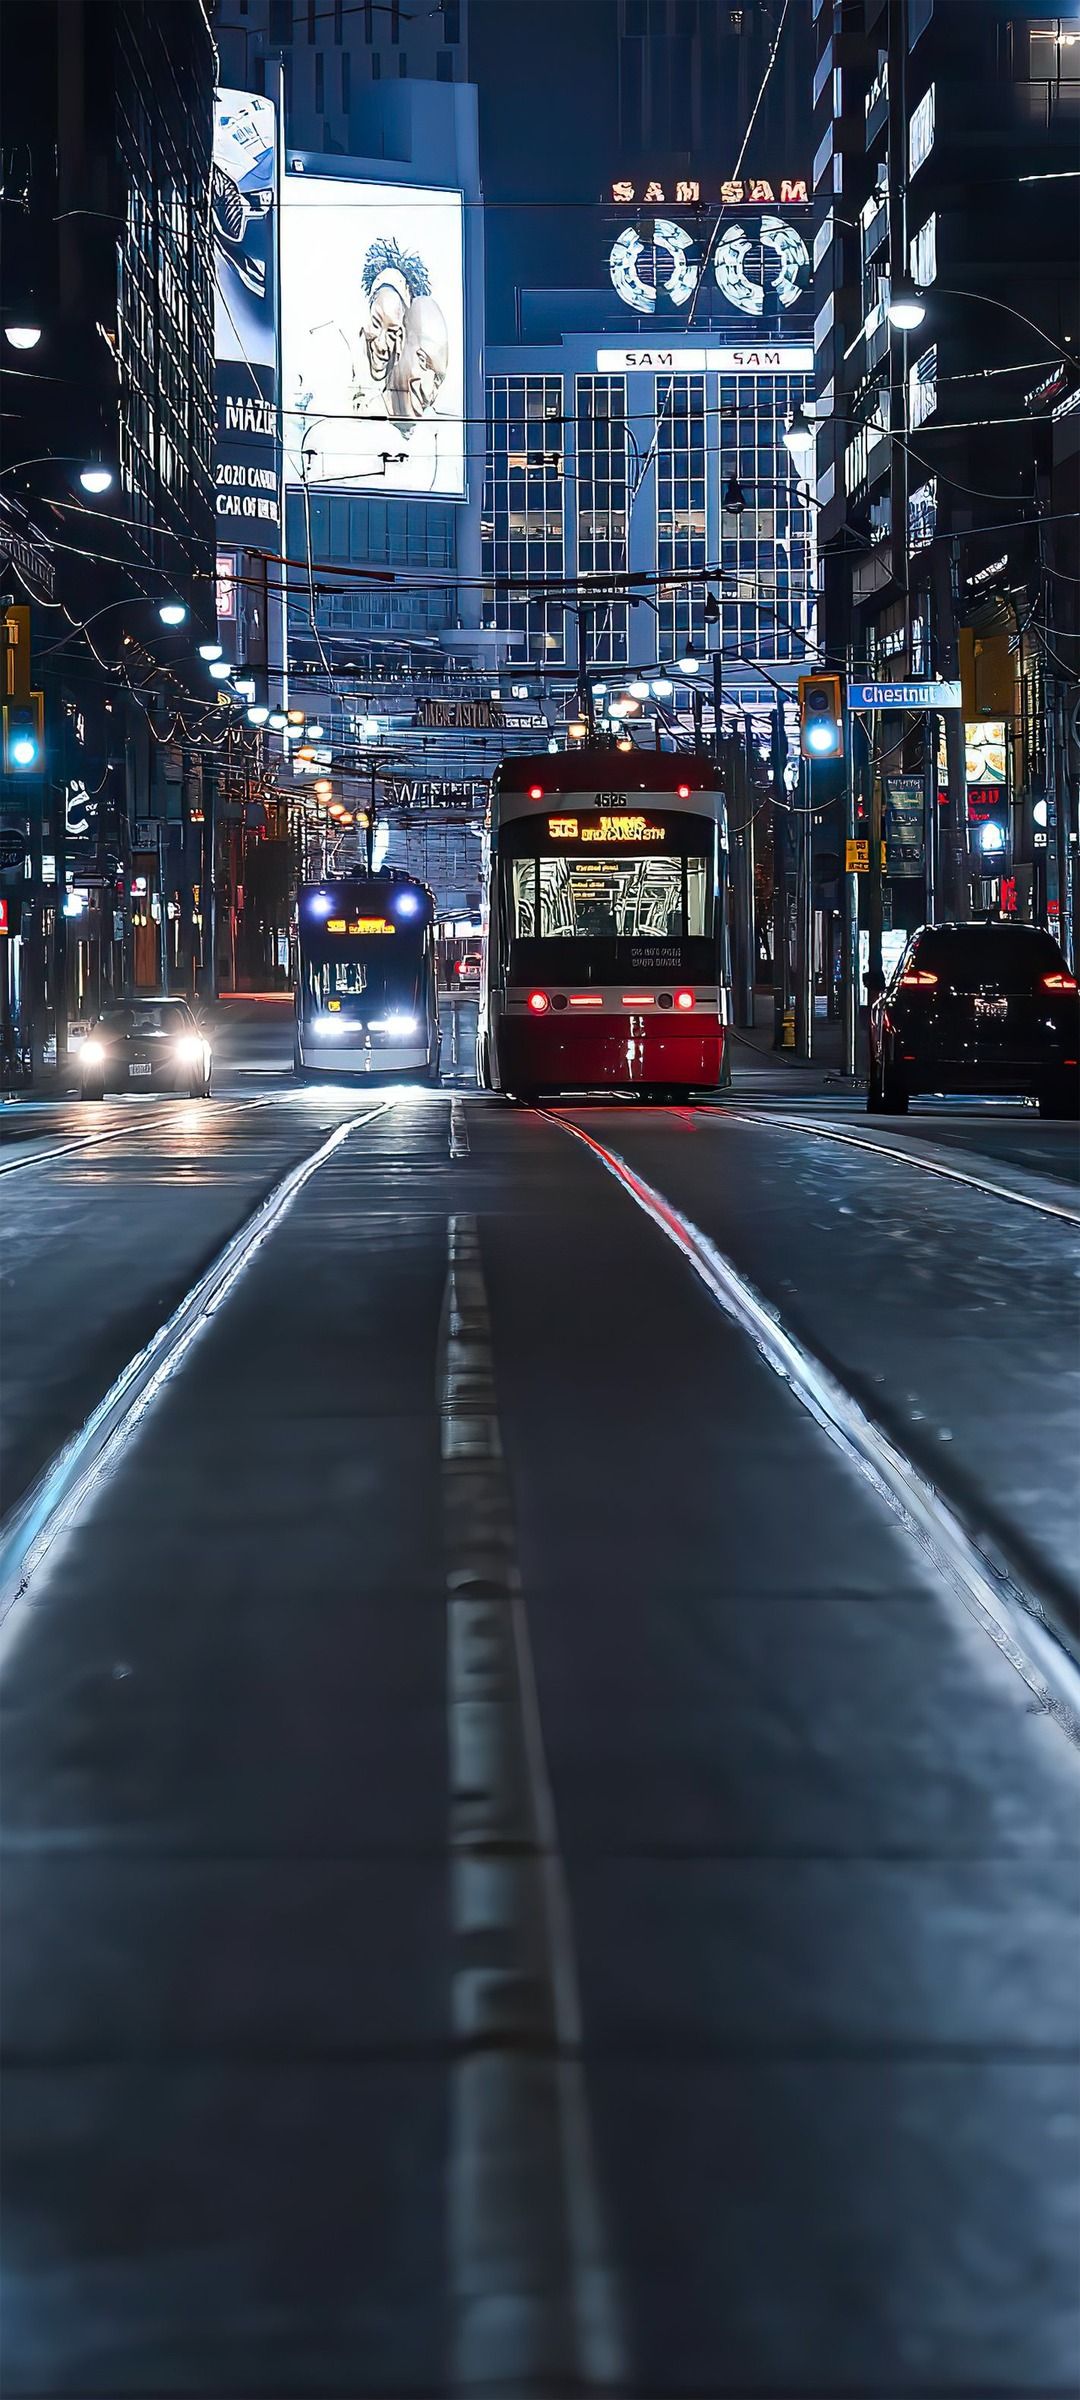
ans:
(419, 369)
(392, 278)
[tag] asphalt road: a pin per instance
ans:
(527, 1866)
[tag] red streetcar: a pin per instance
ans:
(605, 958)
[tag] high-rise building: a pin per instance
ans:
(107, 503)
(331, 51)
(945, 158)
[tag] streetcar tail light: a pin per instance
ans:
(918, 979)
(586, 999)
(684, 1000)
(1059, 983)
(638, 999)
(536, 791)
(684, 791)
(538, 1002)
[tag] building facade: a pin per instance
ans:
(637, 429)
(943, 451)
(106, 120)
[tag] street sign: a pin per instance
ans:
(857, 858)
(904, 695)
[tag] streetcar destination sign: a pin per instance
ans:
(904, 695)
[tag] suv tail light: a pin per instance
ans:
(1058, 983)
(918, 979)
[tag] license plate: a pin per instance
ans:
(994, 1010)
(139, 1070)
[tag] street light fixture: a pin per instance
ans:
(689, 663)
(907, 308)
(23, 337)
(220, 670)
(277, 720)
(662, 687)
(257, 714)
(799, 434)
(638, 691)
(734, 501)
(96, 479)
(210, 651)
(315, 731)
(172, 612)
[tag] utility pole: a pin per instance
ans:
(585, 698)
(371, 822)
(876, 912)
(930, 816)
(849, 916)
(781, 978)
(209, 882)
(804, 922)
(696, 711)
(59, 791)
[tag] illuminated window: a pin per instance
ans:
(603, 462)
(922, 254)
(922, 388)
(611, 898)
(680, 506)
(921, 132)
(522, 526)
(768, 553)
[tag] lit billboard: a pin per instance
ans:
(373, 336)
(243, 214)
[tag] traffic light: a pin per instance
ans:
(821, 716)
(24, 735)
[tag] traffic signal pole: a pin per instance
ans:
(804, 921)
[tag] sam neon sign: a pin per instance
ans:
(688, 191)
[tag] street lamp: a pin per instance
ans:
(172, 612)
(662, 687)
(257, 714)
(799, 434)
(23, 337)
(689, 663)
(907, 308)
(277, 719)
(210, 651)
(220, 670)
(734, 501)
(314, 732)
(96, 479)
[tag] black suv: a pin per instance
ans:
(987, 1007)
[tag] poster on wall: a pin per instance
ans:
(373, 336)
(244, 218)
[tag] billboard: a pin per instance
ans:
(373, 336)
(244, 218)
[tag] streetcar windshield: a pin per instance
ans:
(361, 978)
(644, 898)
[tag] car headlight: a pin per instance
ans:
(189, 1048)
(92, 1054)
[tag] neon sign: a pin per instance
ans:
(751, 262)
(687, 191)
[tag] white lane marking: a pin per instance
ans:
(28, 1534)
(1012, 1616)
(907, 1158)
(459, 1131)
(533, 2296)
(118, 1133)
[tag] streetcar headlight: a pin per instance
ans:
(92, 1054)
(398, 1024)
(330, 1024)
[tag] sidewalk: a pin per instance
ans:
(752, 1050)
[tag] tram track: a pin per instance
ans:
(1024, 1625)
(119, 1133)
(29, 1531)
(1064, 1211)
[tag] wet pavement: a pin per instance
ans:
(521, 1874)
